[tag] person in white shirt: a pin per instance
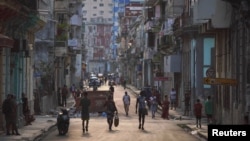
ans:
(173, 98)
(126, 102)
(153, 106)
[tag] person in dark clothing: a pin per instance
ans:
(165, 108)
(140, 106)
(26, 111)
(7, 112)
(112, 90)
(85, 104)
(65, 92)
(124, 83)
(13, 115)
(111, 110)
(59, 96)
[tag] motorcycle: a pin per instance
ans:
(63, 122)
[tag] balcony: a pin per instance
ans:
(167, 45)
(175, 8)
(61, 6)
(60, 49)
(166, 41)
(218, 11)
(154, 25)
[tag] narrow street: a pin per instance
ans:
(155, 129)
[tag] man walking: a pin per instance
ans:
(64, 95)
(198, 112)
(126, 102)
(141, 107)
(85, 103)
(112, 90)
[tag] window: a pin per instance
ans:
(101, 12)
(83, 5)
(95, 0)
(94, 7)
(94, 14)
(111, 12)
(84, 12)
(110, 19)
(110, 5)
(101, 4)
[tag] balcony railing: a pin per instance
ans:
(60, 48)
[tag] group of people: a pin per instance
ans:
(166, 105)
(85, 103)
(141, 103)
(64, 92)
(10, 112)
(208, 111)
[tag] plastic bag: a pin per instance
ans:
(116, 120)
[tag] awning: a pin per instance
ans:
(6, 41)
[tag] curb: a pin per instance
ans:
(44, 132)
(189, 129)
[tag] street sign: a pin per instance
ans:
(162, 79)
(210, 73)
(219, 81)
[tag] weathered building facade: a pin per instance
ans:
(18, 25)
(198, 47)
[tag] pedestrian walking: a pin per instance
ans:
(153, 106)
(187, 104)
(64, 95)
(73, 90)
(141, 108)
(112, 90)
(198, 112)
(165, 108)
(105, 80)
(124, 84)
(173, 99)
(110, 111)
(85, 104)
(209, 110)
(59, 96)
(126, 102)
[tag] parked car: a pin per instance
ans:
(94, 79)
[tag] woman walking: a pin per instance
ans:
(165, 108)
(111, 109)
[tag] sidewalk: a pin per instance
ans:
(177, 114)
(39, 127)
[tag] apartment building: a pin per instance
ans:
(98, 22)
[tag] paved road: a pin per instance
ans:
(155, 129)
